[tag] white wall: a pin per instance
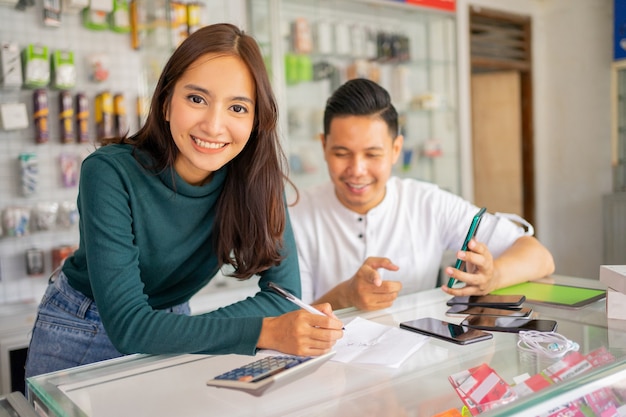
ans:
(572, 47)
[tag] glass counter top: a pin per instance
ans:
(176, 385)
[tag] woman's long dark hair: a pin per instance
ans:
(251, 215)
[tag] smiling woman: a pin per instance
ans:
(211, 114)
(163, 210)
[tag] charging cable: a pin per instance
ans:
(550, 344)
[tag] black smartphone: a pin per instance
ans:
(509, 324)
(446, 331)
(471, 232)
(464, 310)
(489, 300)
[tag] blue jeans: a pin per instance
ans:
(68, 331)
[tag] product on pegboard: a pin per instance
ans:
(16, 221)
(36, 66)
(195, 11)
(66, 116)
(69, 169)
(67, 216)
(104, 115)
(301, 36)
(343, 43)
(82, 117)
(119, 18)
(10, 65)
(34, 262)
(143, 105)
(95, 16)
(138, 18)
(40, 115)
(73, 6)
(178, 22)
(63, 69)
(44, 216)
(52, 13)
(323, 37)
(98, 67)
(29, 173)
(119, 112)
(60, 253)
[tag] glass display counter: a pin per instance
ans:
(176, 385)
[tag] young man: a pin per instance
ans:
(365, 236)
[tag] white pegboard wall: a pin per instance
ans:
(23, 28)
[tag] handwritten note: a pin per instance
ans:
(367, 342)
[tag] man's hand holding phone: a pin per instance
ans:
(474, 265)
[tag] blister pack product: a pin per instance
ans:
(82, 117)
(10, 65)
(67, 216)
(63, 69)
(29, 173)
(45, 216)
(69, 169)
(34, 262)
(40, 116)
(104, 115)
(119, 115)
(66, 117)
(36, 66)
(481, 389)
(16, 221)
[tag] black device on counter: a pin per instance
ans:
(464, 310)
(446, 331)
(509, 324)
(489, 300)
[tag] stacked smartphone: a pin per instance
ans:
(501, 313)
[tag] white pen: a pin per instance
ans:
(289, 296)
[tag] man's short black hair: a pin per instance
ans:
(361, 97)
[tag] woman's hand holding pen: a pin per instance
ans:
(301, 332)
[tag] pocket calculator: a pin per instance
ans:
(257, 376)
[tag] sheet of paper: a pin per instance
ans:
(367, 342)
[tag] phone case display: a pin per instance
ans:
(36, 66)
(66, 117)
(82, 117)
(312, 47)
(63, 70)
(600, 391)
(40, 115)
(10, 65)
(119, 18)
(29, 173)
(104, 115)
(119, 112)
(619, 127)
(481, 389)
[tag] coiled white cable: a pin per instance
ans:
(550, 344)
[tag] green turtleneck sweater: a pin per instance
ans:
(146, 245)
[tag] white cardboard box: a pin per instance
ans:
(614, 276)
(616, 333)
(615, 304)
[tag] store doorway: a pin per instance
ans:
(496, 133)
(502, 123)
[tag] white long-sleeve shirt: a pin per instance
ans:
(415, 224)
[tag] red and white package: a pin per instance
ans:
(481, 389)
